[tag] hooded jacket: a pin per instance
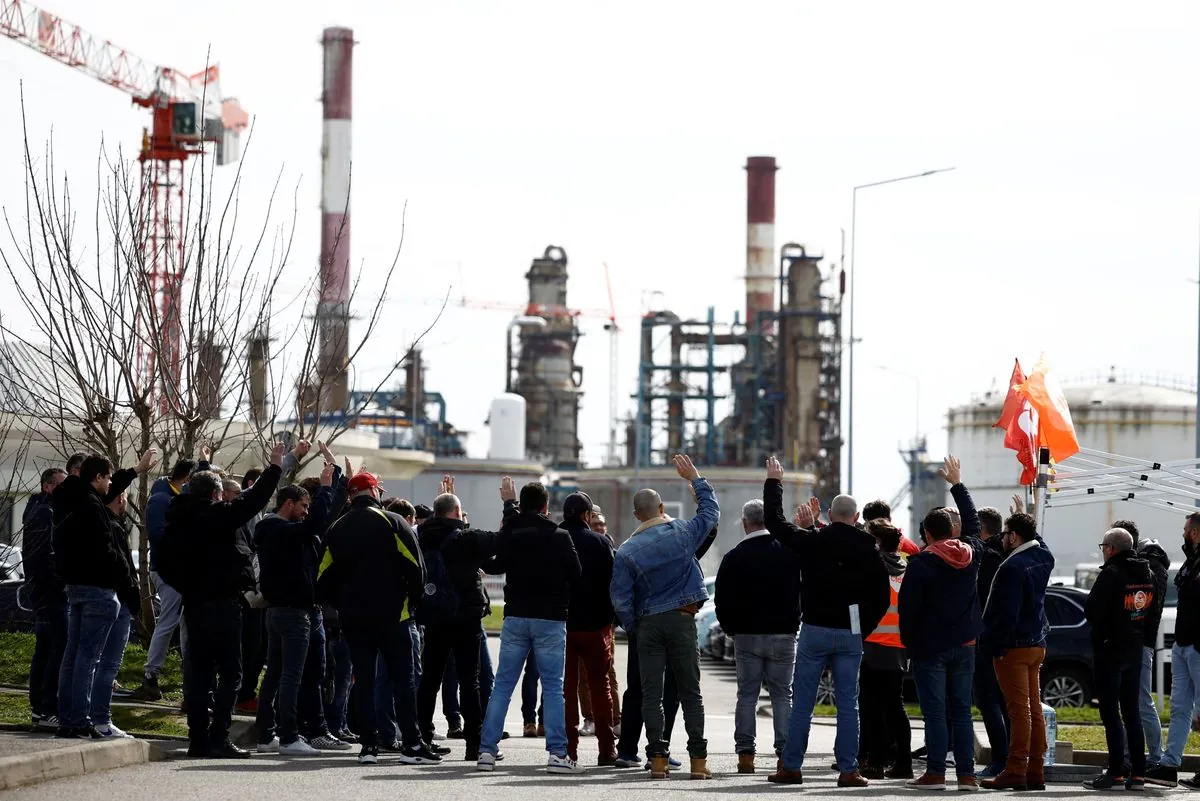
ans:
(591, 607)
(161, 494)
(841, 567)
(939, 599)
(464, 550)
(1118, 607)
(878, 656)
(1015, 616)
(289, 553)
(371, 568)
(758, 588)
(1187, 580)
(83, 544)
(539, 563)
(1160, 569)
(37, 553)
(217, 568)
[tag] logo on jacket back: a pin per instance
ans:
(1137, 601)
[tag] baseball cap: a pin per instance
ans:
(576, 504)
(363, 481)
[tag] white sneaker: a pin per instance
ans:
(298, 749)
(437, 738)
(557, 764)
(327, 742)
(486, 761)
(112, 731)
(269, 748)
(588, 729)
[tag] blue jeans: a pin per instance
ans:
(339, 665)
(91, 614)
(817, 647)
(50, 630)
(1185, 685)
(312, 706)
(289, 632)
(531, 710)
(763, 659)
(944, 690)
(107, 669)
(547, 639)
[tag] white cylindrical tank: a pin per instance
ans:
(1143, 420)
(507, 422)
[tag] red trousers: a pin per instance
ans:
(594, 649)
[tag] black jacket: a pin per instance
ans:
(539, 563)
(591, 608)
(37, 553)
(218, 567)
(372, 567)
(128, 593)
(841, 566)
(83, 544)
(758, 588)
(1160, 568)
(289, 553)
(1118, 606)
(464, 550)
(990, 557)
(1187, 580)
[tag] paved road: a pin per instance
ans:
(520, 776)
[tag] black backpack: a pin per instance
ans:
(440, 602)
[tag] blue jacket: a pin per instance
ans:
(161, 493)
(1015, 616)
(656, 570)
(939, 599)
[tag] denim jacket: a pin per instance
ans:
(656, 570)
(1015, 616)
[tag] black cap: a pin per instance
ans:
(423, 512)
(576, 504)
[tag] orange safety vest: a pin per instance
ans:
(888, 631)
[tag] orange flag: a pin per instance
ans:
(1055, 429)
(1013, 401)
(1020, 423)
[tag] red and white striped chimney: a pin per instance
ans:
(760, 238)
(333, 307)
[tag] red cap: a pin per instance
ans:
(362, 481)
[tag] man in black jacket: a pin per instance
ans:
(1117, 608)
(288, 544)
(130, 599)
(47, 596)
(758, 604)
(1160, 567)
(93, 570)
(216, 576)
(844, 595)
(453, 625)
(988, 698)
(372, 573)
(589, 629)
(540, 564)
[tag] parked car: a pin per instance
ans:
(1067, 670)
(707, 614)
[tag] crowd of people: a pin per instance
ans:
(358, 611)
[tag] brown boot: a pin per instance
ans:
(784, 776)
(852, 779)
(700, 768)
(659, 766)
(1036, 779)
(745, 763)
(1007, 780)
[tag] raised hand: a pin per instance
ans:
(326, 454)
(804, 516)
(508, 489)
(814, 504)
(1018, 505)
(206, 452)
(683, 465)
(327, 474)
(277, 454)
(302, 448)
(951, 470)
(147, 462)
(349, 469)
(774, 469)
(447, 485)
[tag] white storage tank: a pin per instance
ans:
(1146, 419)
(507, 424)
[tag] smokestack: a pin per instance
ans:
(333, 308)
(760, 238)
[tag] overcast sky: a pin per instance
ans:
(619, 131)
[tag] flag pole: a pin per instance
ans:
(1043, 481)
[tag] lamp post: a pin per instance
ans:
(853, 250)
(520, 321)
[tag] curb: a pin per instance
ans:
(78, 760)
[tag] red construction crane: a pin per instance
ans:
(188, 113)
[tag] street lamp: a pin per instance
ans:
(853, 250)
(520, 321)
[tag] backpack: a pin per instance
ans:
(440, 602)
